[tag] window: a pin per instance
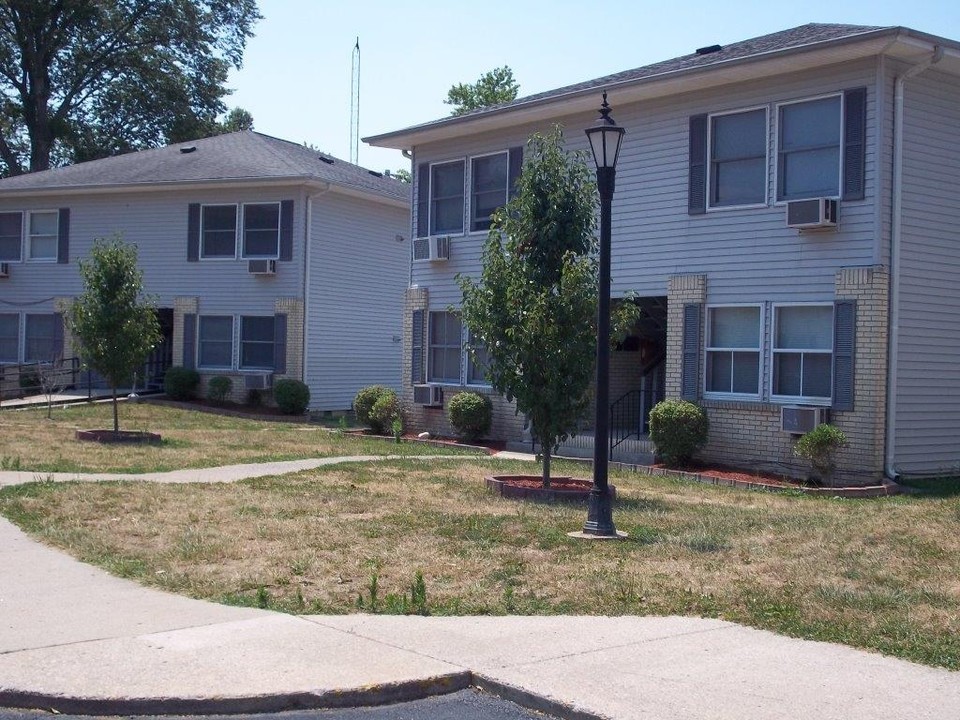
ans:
(42, 235)
(733, 350)
(40, 338)
(11, 233)
(803, 352)
(738, 158)
(218, 231)
(808, 162)
(477, 362)
(489, 183)
(446, 198)
(9, 338)
(216, 341)
(445, 348)
(261, 230)
(256, 343)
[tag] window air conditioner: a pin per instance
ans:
(4, 270)
(813, 213)
(428, 395)
(262, 267)
(798, 420)
(432, 248)
(258, 381)
(421, 248)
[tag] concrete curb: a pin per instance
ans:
(531, 701)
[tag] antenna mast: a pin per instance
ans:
(355, 105)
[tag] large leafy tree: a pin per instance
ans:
(117, 328)
(492, 88)
(81, 79)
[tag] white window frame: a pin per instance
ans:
(465, 200)
(776, 145)
(233, 341)
(766, 159)
(236, 231)
(430, 345)
(467, 361)
(240, 341)
(29, 237)
(707, 349)
(242, 231)
(21, 213)
(18, 340)
(469, 185)
(800, 399)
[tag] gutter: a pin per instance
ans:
(307, 234)
(896, 237)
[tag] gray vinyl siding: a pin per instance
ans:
(748, 254)
(358, 273)
(928, 378)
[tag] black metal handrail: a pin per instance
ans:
(626, 418)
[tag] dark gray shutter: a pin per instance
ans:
(63, 237)
(844, 347)
(423, 200)
(190, 341)
(697, 181)
(416, 348)
(854, 142)
(690, 368)
(57, 337)
(286, 230)
(516, 166)
(280, 343)
(193, 232)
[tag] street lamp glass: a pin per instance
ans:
(605, 137)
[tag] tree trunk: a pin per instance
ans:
(116, 416)
(545, 454)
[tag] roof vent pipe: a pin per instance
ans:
(187, 149)
(709, 49)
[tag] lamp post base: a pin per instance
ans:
(599, 522)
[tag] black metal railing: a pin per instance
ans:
(626, 418)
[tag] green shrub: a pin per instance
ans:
(818, 447)
(291, 396)
(181, 383)
(30, 378)
(470, 414)
(254, 398)
(218, 389)
(678, 429)
(384, 412)
(364, 401)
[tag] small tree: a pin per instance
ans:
(492, 88)
(116, 327)
(53, 377)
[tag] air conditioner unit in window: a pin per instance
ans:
(258, 381)
(262, 267)
(428, 395)
(4, 270)
(434, 248)
(798, 420)
(813, 213)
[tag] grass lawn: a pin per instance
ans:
(29, 441)
(881, 574)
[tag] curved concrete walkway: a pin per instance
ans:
(76, 639)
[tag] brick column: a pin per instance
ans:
(415, 298)
(293, 309)
(62, 306)
(682, 290)
(181, 306)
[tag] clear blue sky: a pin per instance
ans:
(296, 74)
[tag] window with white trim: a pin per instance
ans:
(489, 185)
(9, 337)
(477, 361)
(11, 236)
(733, 350)
(261, 230)
(218, 231)
(215, 341)
(808, 148)
(40, 338)
(445, 348)
(738, 158)
(802, 352)
(446, 198)
(42, 233)
(256, 342)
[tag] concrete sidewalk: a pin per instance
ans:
(76, 639)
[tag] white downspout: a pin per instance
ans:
(896, 221)
(307, 234)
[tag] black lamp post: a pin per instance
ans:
(605, 138)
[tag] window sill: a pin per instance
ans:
(724, 208)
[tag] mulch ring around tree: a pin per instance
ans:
(124, 437)
(530, 487)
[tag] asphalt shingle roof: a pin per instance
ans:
(236, 156)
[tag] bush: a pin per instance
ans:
(181, 383)
(818, 447)
(364, 401)
(30, 379)
(384, 412)
(254, 398)
(678, 429)
(291, 396)
(218, 389)
(470, 414)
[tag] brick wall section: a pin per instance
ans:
(181, 306)
(63, 304)
(682, 289)
(293, 309)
